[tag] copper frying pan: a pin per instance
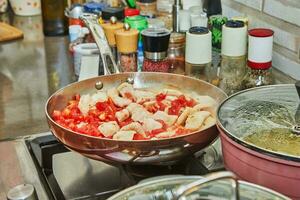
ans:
(164, 151)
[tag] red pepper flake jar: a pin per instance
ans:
(260, 45)
(127, 40)
(156, 43)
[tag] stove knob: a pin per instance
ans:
(22, 192)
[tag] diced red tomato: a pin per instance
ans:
(125, 122)
(139, 137)
(160, 97)
(56, 114)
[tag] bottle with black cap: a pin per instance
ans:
(156, 44)
(233, 53)
(109, 12)
(198, 52)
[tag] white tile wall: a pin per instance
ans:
(256, 4)
(287, 10)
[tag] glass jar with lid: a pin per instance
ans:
(146, 7)
(260, 45)
(198, 53)
(233, 53)
(127, 41)
(176, 53)
(156, 43)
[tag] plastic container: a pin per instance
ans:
(26, 8)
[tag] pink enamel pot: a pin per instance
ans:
(263, 108)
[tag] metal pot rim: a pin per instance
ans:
(182, 178)
(249, 145)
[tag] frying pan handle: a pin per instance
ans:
(108, 61)
(185, 190)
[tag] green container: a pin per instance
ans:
(137, 22)
(215, 23)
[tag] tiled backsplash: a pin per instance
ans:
(282, 16)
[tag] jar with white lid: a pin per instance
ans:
(233, 53)
(198, 52)
(259, 58)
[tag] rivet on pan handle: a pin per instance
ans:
(185, 190)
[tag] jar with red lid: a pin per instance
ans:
(156, 43)
(260, 41)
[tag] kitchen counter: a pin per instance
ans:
(31, 69)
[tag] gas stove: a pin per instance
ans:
(57, 173)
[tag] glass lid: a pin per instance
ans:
(266, 118)
(167, 188)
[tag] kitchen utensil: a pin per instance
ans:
(8, 32)
(220, 185)
(164, 151)
(108, 61)
(260, 110)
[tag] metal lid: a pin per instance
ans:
(199, 30)
(22, 192)
(210, 187)
(263, 119)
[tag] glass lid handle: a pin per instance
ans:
(297, 85)
(183, 191)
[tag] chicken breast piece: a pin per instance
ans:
(172, 92)
(99, 96)
(143, 96)
(84, 104)
(124, 135)
(117, 100)
(122, 115)
(166, 134)
(195, 120)
(108, 129)
(150, 124)
(134, 126)
(168, 119)
(183, 116)
(209, 122)
(126, 88)
(138, 112)
(205, 107)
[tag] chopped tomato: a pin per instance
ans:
(125, 122)
(101, 106)
(139, 137)
(56, 114)
(161, 106)
(160, 97)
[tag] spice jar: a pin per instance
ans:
(176, 53)
(156, 43)
(146, 7)
(127, 40)
(233, 53)
(198, 52)
(260, 45)
(109, 30)
(139, 23)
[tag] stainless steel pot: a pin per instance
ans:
(220, 185)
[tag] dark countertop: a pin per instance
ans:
(32, 69)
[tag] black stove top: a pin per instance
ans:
(69, 175)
